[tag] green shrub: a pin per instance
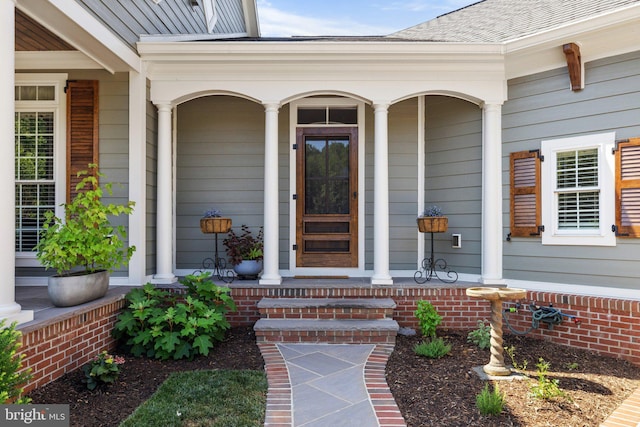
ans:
(11, 379)
(545, 388)
(434, 349)
(103, 369)
(158, 323)
(481, 336)
(428, 318)
(84, 237)
(490, 402)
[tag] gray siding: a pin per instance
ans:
(454, 177)
(453, 130)
(114, 137)
(220, 165)
(403, 184)
(542, 107)
(151, 183)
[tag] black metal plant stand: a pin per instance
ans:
(218, 265)
(432, 267)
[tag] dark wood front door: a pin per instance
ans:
(327, 197)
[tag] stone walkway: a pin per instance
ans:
(319, 385)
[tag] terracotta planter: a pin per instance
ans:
(215, 225)
(433, 224)
(66, 291)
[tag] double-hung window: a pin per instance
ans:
(39, 146)
(578, 190)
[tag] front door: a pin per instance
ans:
(327, 197)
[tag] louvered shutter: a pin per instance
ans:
(628, 188)
(82, 130)
(525, 194)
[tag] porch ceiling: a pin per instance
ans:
(31, 36)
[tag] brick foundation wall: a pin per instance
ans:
(64, 345)
(608, 326)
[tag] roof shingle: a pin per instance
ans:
(495, 21)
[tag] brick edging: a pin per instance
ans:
(279, 411)
(384, 405)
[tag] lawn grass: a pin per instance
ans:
(224, 398)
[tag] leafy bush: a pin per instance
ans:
(428, 318)
(490, 402)
(103, 369)
(158, 323)
(11, 379)
(434, 349)
(481, 336)
(85, 237)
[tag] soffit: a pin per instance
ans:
(31, 36)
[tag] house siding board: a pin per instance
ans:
(220, 164)
(151, 163)
(129, 19)
(114, 138)
(454, 176)
(403, 185)
(543, 107)
(232, 20)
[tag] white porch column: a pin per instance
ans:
(9, 309)
(164, 214)
(492, 194)
(381, 274)
(271, 275)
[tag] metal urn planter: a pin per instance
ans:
(67, 291)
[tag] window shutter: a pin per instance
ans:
(628, 188)
(82, 130)
(525, 194)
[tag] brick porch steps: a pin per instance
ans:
(326, 320)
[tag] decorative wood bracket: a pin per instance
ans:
(574, 64)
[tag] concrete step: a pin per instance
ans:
(380, 331)
(327, 308)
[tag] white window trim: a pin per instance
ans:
(59, 108)
(603, 236)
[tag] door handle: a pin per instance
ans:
(355, 195)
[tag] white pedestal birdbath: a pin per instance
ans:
(496, 296)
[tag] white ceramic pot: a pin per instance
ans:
(248, 269)
(66, 291)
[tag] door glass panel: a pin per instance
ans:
(326, 227)
(326, 176)
(326, 246)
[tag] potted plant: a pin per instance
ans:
(83, 247)
(432, 221)
(245, 252)
(213, 222)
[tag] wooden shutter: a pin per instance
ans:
(525, 194)
(628, 188)
(82, 130)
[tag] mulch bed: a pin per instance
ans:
(429, 392)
